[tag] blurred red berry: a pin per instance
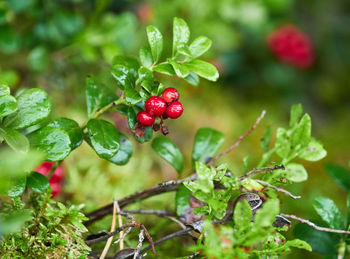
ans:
(144, 118)
(145, 13)
(155, 106)
(174, 110)
(291, 46)
(170, 94)
(57, 177)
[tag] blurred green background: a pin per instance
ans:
(55, 44)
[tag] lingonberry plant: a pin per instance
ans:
(227, 213)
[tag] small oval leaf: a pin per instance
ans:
(37, 182)
(8, 105)
(125, 151)
(15, 140)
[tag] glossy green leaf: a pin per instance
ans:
(146, 56)
(132, 96)
(265, 216)
(181, 33)
(339, 174)
(37, 182)
(203, 69)
(282, 143)
(4, 90)
(184, 50)
(18, 187)
(165, 68)
(34, 106)
(302, 134)
(72, 128)
(97, 96)
(132, 111)
(155, 40)
(329, 212)
(199, 46)
(124, 69)
(301, 244)
(15, 140)
(182, 199)
(104, 138)
(8, 105)
(313, 152)
(266, 139)
(295, 114)
(54, 142)
(207, 143)
(169, 152)
(180, 69)
(295, 172)
(146, 79)
(242, 215)
(125, 151)
(192, 79)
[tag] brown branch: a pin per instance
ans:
(239, 140)
(160, 213)
(279, 189)
(314, 226)
(164, 187)
(261, 170)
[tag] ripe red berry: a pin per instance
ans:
(144, 118)
(174, 110)
(155, 106)
(170, 94)
(291, 46)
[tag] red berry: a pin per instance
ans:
(174, 110)
(144, 118)
(170, 94)
(155, 106)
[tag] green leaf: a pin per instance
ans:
(266, 139)
(97, 96)
(37, 182)
(313, 152)
(192, 79)
(14, 221)
(301, 244)
(15, 140)
(295, 172)
(242, 214)
(295, 114)
(302, 134)
(54, 142)
(183, 49)
(34, 106)
(282, 143)
(164, 68)
(72, 128)
(329, 212)
(125, 151)
(18, 187)
(339, 174)
(181, 33)
(8, 105)
(132, 96)
(104, 138)
(207, 143)
(124, 69)
(146, 56)
(182, 199)
(199, 46)
(4, 90)
(155, 40)
(180, 69)
(203, 69)
(169, 152)
(146, 79)
(132, 111)
(266, 216)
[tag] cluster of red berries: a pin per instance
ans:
(166, 106)
(292, 46)
(57, 177)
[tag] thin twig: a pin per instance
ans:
(279, 189)
(176, 234)
(149, 240)
(193, 255)
(109, 241)
(239, 140)
(139, 245)
(160, 213)
(182, 225)
(314, 226)
(120, 222)
(125, 214)
(164, 187)
(261, 170)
